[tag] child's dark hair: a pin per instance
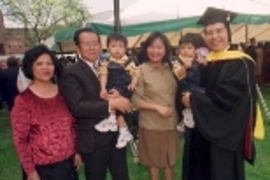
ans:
(117, 37)
(193, 38)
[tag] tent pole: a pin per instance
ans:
(246, 33)
(181, 34)
(117, 25)
(138, 40)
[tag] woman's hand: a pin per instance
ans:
(186, 99)
(33, 176)
(164, 110)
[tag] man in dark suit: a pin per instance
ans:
(8, 81)
(81, 88)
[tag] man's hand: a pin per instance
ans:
(103, 94)
(33, 176)
(120, 103)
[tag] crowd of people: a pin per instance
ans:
(260, 52)
(67, 112)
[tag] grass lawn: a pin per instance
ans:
(10, 170)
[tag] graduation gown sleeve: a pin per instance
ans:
(222, 112)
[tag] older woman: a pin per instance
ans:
(155, 100)
(42, 125)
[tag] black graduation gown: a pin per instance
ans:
(224, 115)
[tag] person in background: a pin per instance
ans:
(70, 59)
(243, 47)
(259, 52)
(4, 65)
(130, 53)
(234, 47)
(9, 81)
(266, 64)
(154, 98)
(63, 62)
(1, 82)
(42, 126)
(215, 149)
(105, 54)
(251, 49)
(81, 88)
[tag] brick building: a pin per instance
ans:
(12, 40)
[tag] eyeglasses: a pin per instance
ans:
(90, 44)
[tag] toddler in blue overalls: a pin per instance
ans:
(189, 52)
(117, 73)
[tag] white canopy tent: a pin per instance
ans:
(162, 10)
(167, 13)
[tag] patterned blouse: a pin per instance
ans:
(131, 68)
(43, 130)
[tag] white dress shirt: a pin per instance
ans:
(22, 81)
(91, 65)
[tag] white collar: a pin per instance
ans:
(91, 64)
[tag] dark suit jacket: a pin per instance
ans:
(8, 85)
(81, 88)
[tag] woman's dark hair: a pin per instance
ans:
(117, 37)
(154, 36)
(32, 55)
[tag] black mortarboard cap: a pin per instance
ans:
(214, 15)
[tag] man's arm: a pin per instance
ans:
(75, 97)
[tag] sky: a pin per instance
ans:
(96, 6)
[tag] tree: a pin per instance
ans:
(42, 18)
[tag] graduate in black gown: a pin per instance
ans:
(215, 149)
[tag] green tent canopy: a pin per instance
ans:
(258, 26)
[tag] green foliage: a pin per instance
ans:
(42, 18)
